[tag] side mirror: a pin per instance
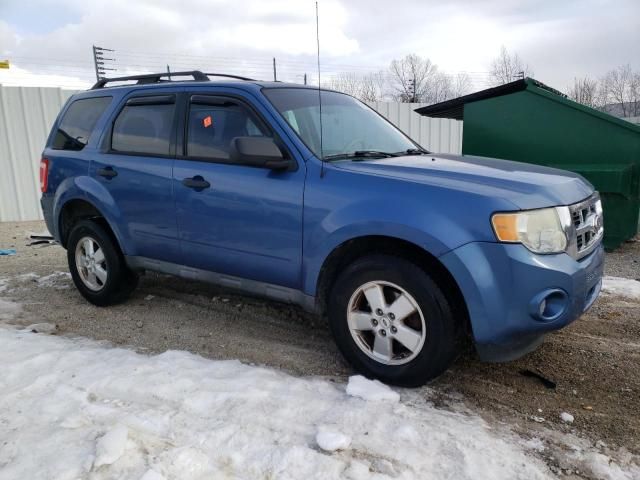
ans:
(259, 152)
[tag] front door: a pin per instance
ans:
(234, 219)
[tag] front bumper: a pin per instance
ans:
(504, 285)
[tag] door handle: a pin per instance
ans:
(107, 172)
(197, 183)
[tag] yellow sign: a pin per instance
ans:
(4, 63)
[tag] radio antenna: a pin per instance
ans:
(319, 94)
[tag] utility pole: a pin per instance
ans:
(99, 61)
(169, 72)
(275, 77)
(412, 90)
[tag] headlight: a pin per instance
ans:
(541, 231)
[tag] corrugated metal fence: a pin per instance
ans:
(26, 116)
(435, 134)
(27, 113)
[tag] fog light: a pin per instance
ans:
(549, 305)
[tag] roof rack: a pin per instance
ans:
(148, 78)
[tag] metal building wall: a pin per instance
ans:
(439, 135)
(26, 116)
(27, 113)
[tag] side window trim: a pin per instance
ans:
(140, 100)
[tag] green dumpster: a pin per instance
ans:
(528, 121)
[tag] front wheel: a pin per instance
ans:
(97, 265)
(392, 321)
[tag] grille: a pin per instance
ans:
(587, 225)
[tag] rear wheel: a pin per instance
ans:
(97, 265)
(391, 321)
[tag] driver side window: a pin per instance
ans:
(211, 128)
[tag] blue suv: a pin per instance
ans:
(310, 197)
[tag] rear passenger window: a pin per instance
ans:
(144, 128)
(213, 127)
(78, 122)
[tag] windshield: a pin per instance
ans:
(348, 125)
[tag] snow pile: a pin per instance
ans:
(111, 446)
(330, 441)
(566, 417)
(623, 287)
(71, 408)
(601, 466)
(372, 390)
(58, 280)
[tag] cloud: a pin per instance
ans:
(559, 40)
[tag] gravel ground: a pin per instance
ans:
(594, 362)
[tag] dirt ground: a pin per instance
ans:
(594, 362)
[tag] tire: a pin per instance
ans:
(100, 289)
(432, 321)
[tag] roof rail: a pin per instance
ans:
(148, 78)
(237, 77)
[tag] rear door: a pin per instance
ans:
(234, 219)
(135, 167)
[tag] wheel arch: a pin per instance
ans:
(77, 209)
(358, 247)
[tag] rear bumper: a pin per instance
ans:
(46, 202)
(514, 296)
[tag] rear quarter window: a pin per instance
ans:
(78, 122)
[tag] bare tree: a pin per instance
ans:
(462, 85)
(373, 86)
(621, 87)
(411, 78)
(508, 67)
(439, 89)
(369, 87)
(634, 95)
(586, 91)
(345, 82)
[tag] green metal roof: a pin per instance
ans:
(454, 108)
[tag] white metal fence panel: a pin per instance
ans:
(26, 116)
(439, 135)
(27, 113)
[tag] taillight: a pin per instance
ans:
(44, 174)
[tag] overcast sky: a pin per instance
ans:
(559, 39)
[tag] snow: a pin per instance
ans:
(330, 440)
(73, 408)
(152, 475)
(372, 390)
(566, 417)
(42, 328)
(111, 446)
(53, 280)
(623, 287)
(601, 466)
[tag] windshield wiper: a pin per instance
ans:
(361, 154)
(415, 151)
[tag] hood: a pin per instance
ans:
(525, 185)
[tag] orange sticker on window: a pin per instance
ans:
(207, 121)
